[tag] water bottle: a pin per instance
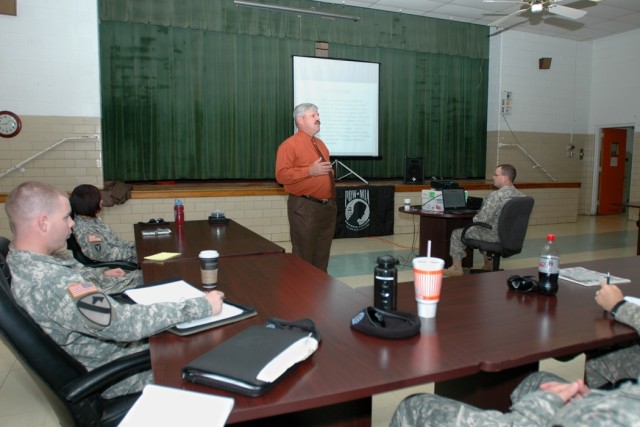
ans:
(549, 267)
(178, 212)
(385, 285)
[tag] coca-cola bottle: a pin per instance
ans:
(549, 267)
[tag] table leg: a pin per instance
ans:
(438, 230)
(486, 390)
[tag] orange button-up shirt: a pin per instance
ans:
(295, 156)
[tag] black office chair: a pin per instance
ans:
(512, 228)
(74, 246)
(4, 250)
(75, 392)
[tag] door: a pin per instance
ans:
(612, 166)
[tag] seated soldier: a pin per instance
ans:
(88, 324)
(96, 239)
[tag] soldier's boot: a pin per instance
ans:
(455, 269)
(488, 264)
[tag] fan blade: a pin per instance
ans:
(504, 18)
(567, 12)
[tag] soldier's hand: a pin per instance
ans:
(114, 272)
(567, 392)
(608, 296)
(215, 298)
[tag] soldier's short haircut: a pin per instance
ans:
(509, 171)
(29, 200)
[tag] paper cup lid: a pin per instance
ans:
(209, 254)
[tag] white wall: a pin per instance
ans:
(615, 93)
(552, 101)
(50, 61)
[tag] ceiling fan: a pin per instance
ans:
(538, 6)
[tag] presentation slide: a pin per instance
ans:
(346, 93)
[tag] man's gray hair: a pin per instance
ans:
(302, 109)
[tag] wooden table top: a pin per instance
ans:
(231, 239)
(480, 326)
(348, 365)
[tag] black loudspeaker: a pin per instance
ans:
(413, 170)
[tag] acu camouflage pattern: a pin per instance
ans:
(489, 214)
(619, 363)
(109, 248)
(40, 285)
(530, 407)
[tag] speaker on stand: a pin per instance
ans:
(413, 170)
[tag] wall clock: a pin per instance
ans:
(10, 124)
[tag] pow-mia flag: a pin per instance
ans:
(364, 211)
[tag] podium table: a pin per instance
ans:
(437, 227)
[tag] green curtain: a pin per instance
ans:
(202, 89)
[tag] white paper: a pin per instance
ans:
(161, 406)
(177, 292)
(634, 300)
(585, 277)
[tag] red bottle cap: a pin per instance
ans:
(551, 237)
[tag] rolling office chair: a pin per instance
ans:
(74, 391)
(4, 250)
(512, 228)
(74, 246)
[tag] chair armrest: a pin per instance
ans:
(125, 265)
(475, 224)
(106, 375)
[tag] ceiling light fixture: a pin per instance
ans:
(294, 10)
(535, 8)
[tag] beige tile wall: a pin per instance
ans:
(78, 160)
(267, 215)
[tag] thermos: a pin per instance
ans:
(385, 283)
(178, 212)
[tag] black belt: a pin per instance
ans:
(313, 199)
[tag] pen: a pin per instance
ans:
(608, 278)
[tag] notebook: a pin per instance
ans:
(454, 201)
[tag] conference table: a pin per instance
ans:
(437, 227)
(230, 239)
(485, 338)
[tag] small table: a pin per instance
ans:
(230, 239)
(437, 227)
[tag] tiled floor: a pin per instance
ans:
(23, 404)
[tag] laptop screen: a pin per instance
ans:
(453, 198)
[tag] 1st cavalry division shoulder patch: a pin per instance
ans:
(96, 308)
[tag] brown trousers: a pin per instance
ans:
(312, 226)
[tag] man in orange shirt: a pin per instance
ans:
(304, 168)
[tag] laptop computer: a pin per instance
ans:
(454, 201)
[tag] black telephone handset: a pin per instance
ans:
(217, 217)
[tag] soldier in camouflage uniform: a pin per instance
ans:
(503, 179)
(83, 320)
(96, 239)
(542, 399)
(618, 364)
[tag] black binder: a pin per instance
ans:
(235, 364)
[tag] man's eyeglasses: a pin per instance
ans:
(156, 221)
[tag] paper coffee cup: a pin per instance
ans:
(427, 279)
(209, 268)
